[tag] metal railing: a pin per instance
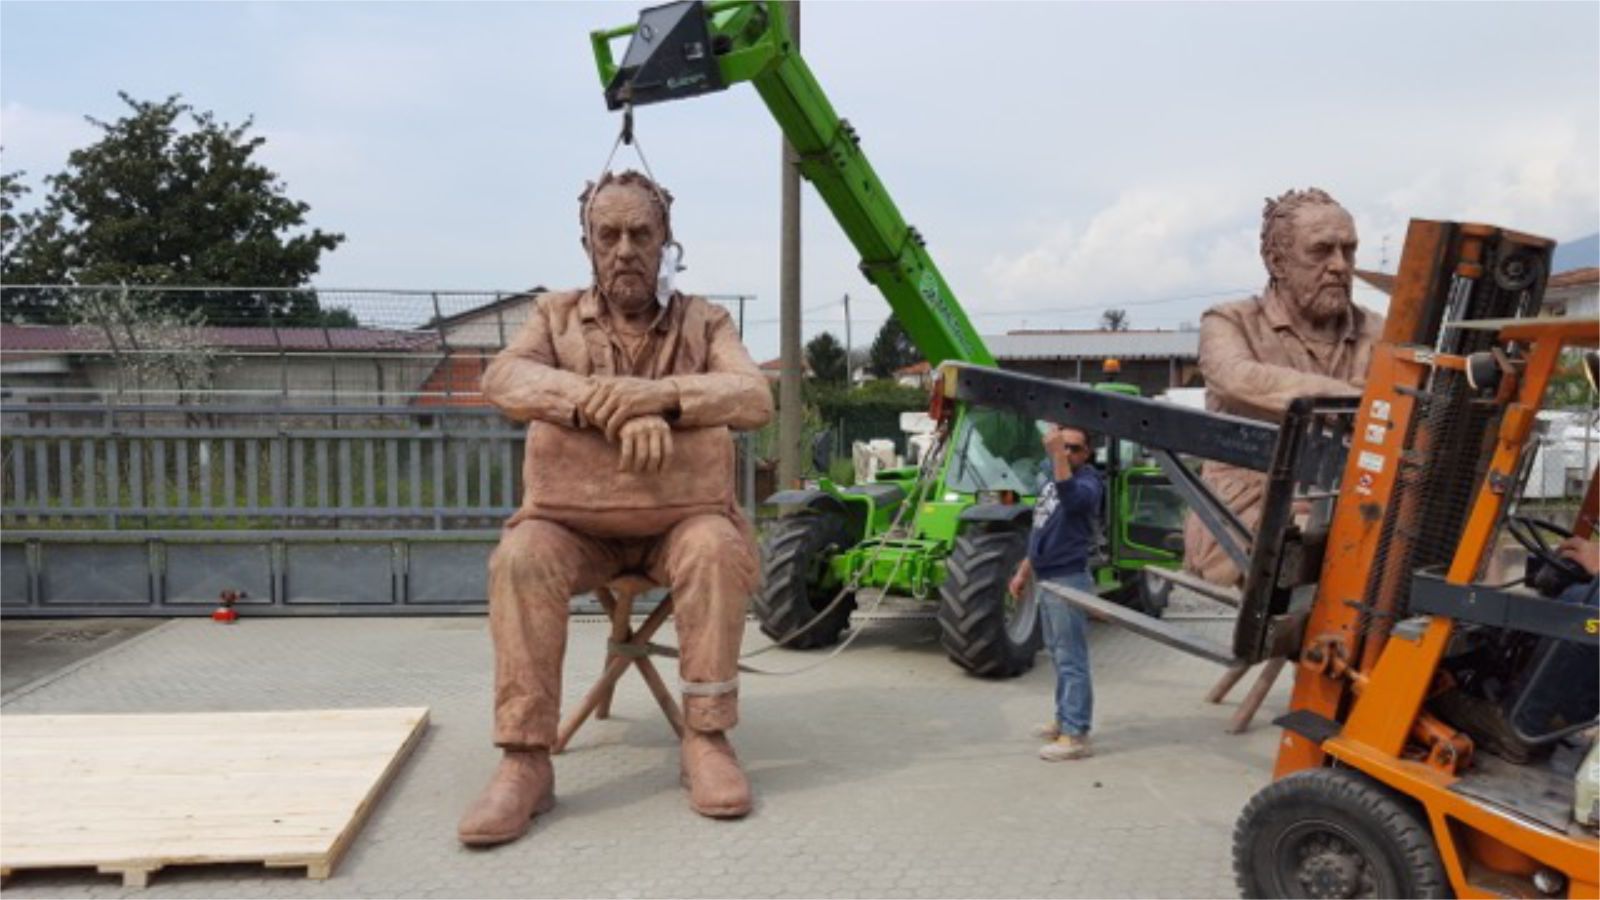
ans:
(168, 467)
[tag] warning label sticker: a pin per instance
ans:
(1372, 462)
(1381, 410)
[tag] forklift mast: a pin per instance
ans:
(691, 47)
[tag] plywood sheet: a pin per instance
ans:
(131, 794)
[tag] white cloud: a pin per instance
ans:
(1149, 244)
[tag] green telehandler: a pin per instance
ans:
(957, 526)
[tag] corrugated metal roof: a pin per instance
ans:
(1094, 345)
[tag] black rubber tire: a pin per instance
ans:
(793, 558)
(1132, 594)
(977, 628)
(1358, 835)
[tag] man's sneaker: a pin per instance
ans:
(1067, 746)
(1048, 732)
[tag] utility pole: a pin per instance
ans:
(849, 366)
(790, 415)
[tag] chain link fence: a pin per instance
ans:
(277, 346)
(192, 408)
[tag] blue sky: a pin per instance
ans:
(1060, 158)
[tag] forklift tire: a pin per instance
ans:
(794, 558)
(982, 632)
(1334, 833)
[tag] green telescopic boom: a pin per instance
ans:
(692, 47)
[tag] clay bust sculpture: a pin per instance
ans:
(1303, 335)
(629, 393)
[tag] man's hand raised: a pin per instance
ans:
(646, 444)
(615, 401)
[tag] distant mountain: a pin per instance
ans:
(1578, 253)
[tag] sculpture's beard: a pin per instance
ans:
(1329, 302)
(630, 289)
(1320, 303)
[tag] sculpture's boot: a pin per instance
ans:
(717, 785)
(522, 787)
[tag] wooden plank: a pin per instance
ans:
(132, 794)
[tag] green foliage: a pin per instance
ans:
(842, 472)
(892, 349)
(160, 201)
(825, 356)
(1114, 320)
(1569, 387)
(11, 190)
(869, 411)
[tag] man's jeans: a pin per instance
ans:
(1066, 637)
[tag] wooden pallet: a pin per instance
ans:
(132, 794)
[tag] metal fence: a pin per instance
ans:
(284, 346)
(312, 451)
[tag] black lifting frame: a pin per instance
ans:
(1303, 459)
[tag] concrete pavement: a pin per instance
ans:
(885, 773)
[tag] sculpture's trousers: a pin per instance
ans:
(710, 565)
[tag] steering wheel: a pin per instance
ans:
(1529, 532)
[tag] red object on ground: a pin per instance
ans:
(225, 613)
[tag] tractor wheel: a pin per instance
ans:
(794, 560)
(1133, 593)
(985, 630)
(1334, 833)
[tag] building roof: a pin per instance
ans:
(510, 301)
(774, 367)
(1568, 279)
(87, 339)
(918, 368)
(1094, 344)
(1575, 277)
(1383, 281)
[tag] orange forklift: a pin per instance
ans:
(1440, 737)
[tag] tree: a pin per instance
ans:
(160, 201)
(825, 356)
(891, 350)
(1114, 320)
(11, 190)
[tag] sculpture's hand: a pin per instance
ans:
(646, 444)
(616, 401)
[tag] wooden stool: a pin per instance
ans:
(626, 647)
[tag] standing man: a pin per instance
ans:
(632, 360)
(1303, 335)
(1059, 547)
